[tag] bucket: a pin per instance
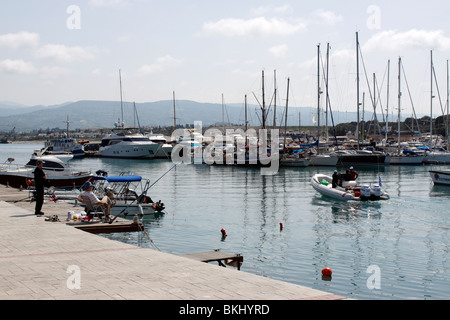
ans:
(70, 215)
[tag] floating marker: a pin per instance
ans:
(327, 272)
(224, 233)
(281, 226)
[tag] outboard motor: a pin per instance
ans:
(376, 191)
(365, 192)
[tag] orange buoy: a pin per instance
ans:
(326, 272)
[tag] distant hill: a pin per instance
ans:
(103, 114)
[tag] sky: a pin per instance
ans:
(55, 51)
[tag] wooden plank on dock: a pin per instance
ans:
(220, 256)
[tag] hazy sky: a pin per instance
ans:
(53, 51)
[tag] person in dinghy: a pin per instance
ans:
(353, 175)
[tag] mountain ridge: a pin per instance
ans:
(85, 114)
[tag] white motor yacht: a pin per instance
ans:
(128, 143)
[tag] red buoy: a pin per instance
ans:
(224, 233)
(281, 226)
(326, 272)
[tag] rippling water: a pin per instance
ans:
(405, 239)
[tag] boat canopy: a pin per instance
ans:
(406, 152)
(310, 144)
(125, 178)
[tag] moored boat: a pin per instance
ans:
(128, 143)
(406, 157)
(361, 158)
(128, 193)
(59, 173)
(294, 160)
(441, 177)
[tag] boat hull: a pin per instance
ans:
(396, 160)
(294, 162)
(134, 209)
(323, 160)
(440, 177)
(19, 179)
(130, 150)
(437, 158)
(361, 159)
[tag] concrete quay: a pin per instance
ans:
(44, 260)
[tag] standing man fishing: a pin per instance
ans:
(40, 179)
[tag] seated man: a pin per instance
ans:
(353, 174)
(88, 195)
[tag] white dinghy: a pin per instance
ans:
(348, 191)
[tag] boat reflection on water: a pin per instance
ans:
(346, 211)
(440, 191)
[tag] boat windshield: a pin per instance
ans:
(49, 165)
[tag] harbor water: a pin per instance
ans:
(395, 249)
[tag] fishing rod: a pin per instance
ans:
(144, 192)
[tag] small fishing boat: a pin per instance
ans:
(129, 194)
(348, 191)
(441, 177)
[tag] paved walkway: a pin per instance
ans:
(51, 260)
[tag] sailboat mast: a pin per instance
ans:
(275, 99)
(448, 95)
(246, 113)
(318, 92)
(285, 116)
(174, 115)
(387, 103)
(431, 100)
(263, 103)
(121, 100)
(223, 117)
(327, 96)
(399, 103)
(67, 125)
(357, 89)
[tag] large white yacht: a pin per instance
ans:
(128, 142)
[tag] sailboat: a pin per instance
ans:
(435, 156)
(127, 142)
(296, 159)
(360, 157)
(318, 158)
(403, 156)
